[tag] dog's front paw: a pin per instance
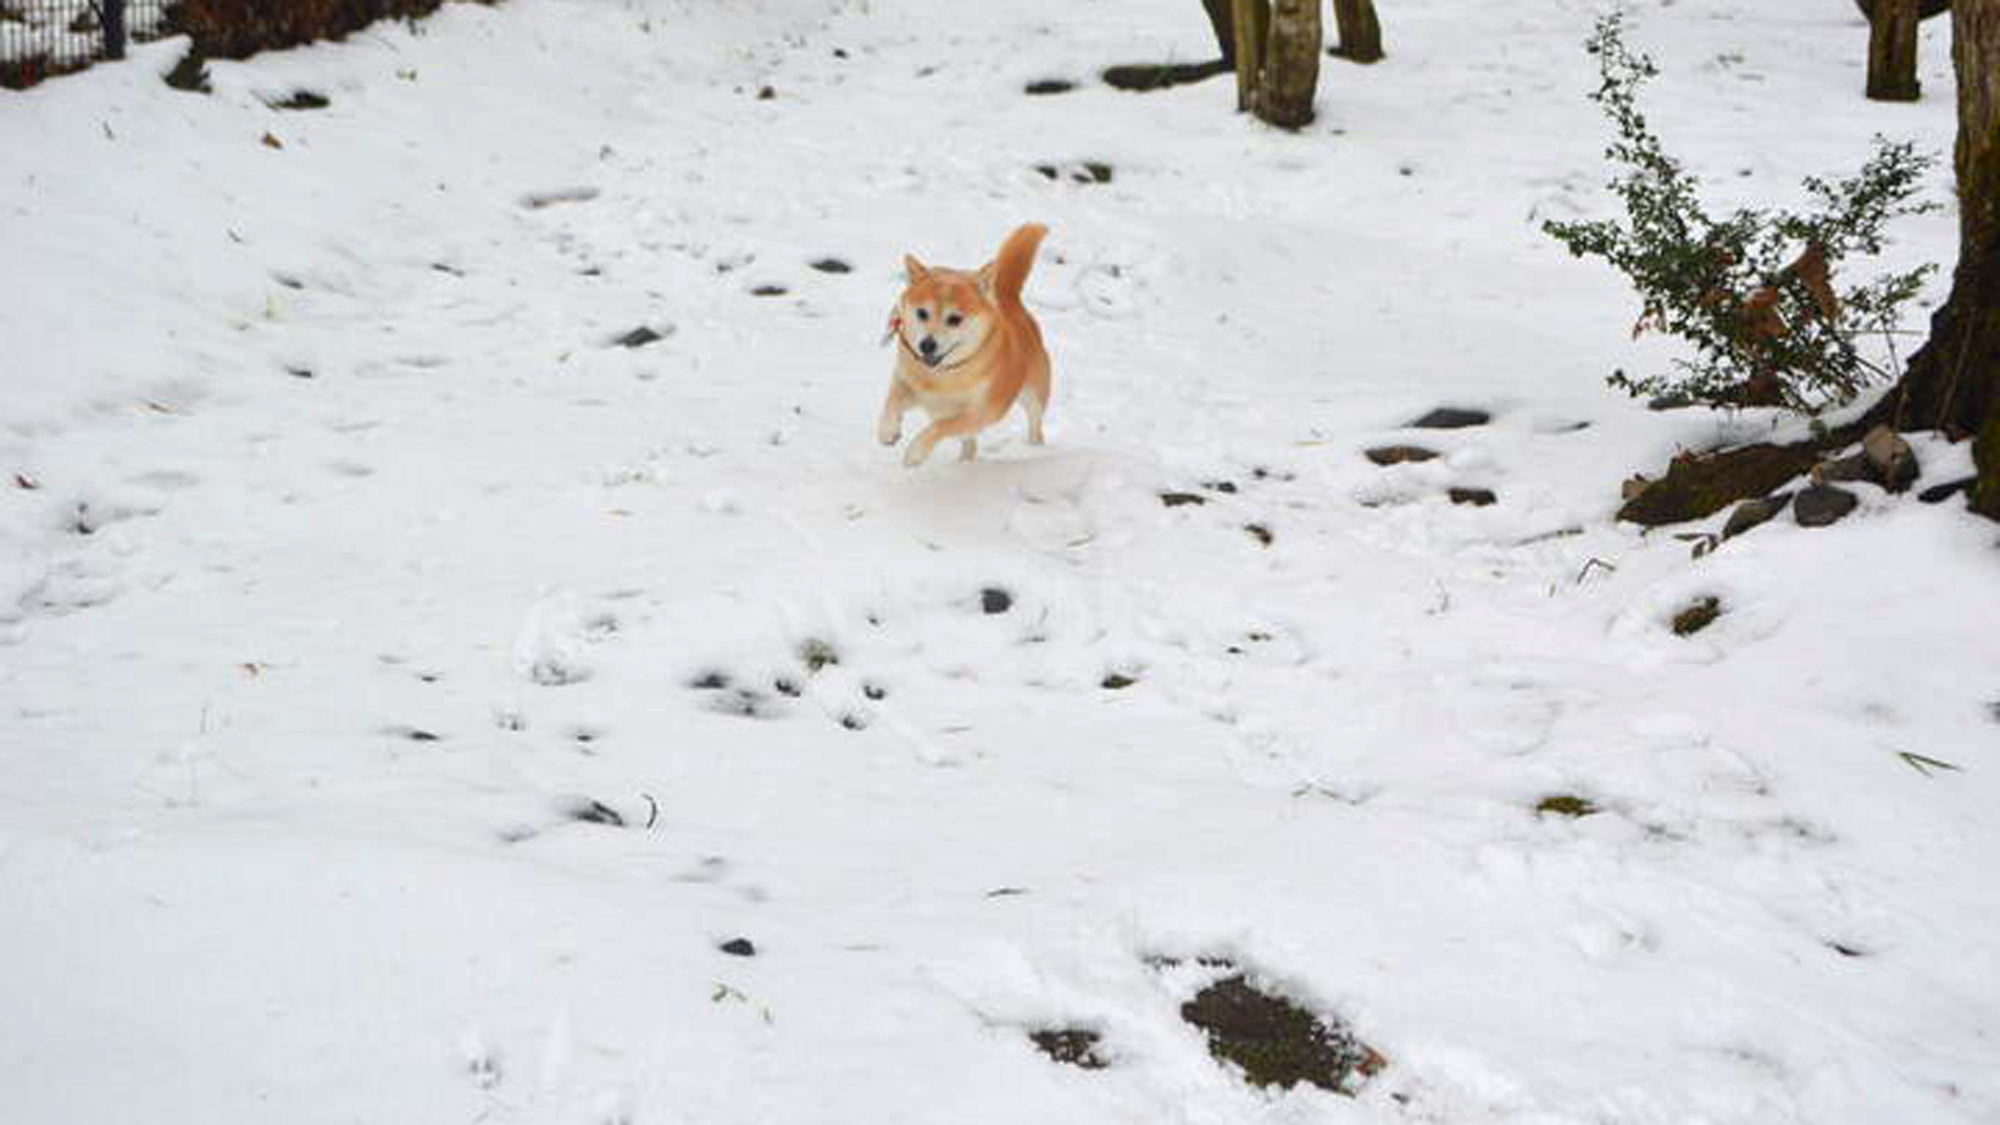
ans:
(916, 454)
(889, 433)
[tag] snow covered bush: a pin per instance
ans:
(1753, 293)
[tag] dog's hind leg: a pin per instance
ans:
(1035, 400)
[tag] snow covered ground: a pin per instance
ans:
(404, 689)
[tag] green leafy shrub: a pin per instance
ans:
(1754, 292)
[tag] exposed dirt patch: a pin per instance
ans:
(639, 337)
(1699, 615)
(831, 265)
(595, 812)
(301, 99)
(1452, 418)
(1045, 86)
(1070, 1046)
(1566, 804)
(1261, 534)
(1182, 499)
(1400, 454)
(1274, 1042)
(1117, 681)
(1477, 497)
(1141, 77)
(993, 599)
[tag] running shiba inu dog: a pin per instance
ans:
(966, 349)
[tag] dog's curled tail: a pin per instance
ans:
(1015, 259)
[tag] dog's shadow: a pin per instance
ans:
(1050, 499)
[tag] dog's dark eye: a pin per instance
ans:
(923, 314)
(954, 320)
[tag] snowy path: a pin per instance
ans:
(405, 688)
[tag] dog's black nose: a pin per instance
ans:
(927, 346)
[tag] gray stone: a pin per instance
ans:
(1895, 463)
(1853, 467)
(1757, 510)
(1822, 504)
(1452, 418)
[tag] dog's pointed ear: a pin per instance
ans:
(917, 270)
(986, 280)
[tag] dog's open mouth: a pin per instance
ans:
(939, 357)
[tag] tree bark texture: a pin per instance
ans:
(1360, 31)
(1251, 18)
(1953, 381)
(1222, 18)
(1290, 74)
(1892, 52)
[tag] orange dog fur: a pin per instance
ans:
(966, 350)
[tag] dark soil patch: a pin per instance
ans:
(816, 654)
(1260, 533)
(832, 265)
(301, 99)
(1846, 950)
(1117, 681)
(875, 692)
(596, 812)
(639, 337)
(1277, 1043)
(1400, 454)
(1086, 172)
(852, 721)
(1141, 77)
(1698, 485)
(1451, 418)
(1045, 86)
(739, 947)
(766, 93)
(1181, 499)
(769, 291)
(1698, 616)
(299, 372)
(1566, 804)
(1477, 497)
(993, 599)
(1070, 1046)
(1227, 487)
(712, 679)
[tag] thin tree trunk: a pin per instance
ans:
(1892, 52)
(1360, 31)
(1222, 20)
(1252, 17)
(1953, 381)
(1290, 73)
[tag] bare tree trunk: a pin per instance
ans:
(1360, 31)
(1251, 19)
(1892, 52)
(1290, 73)
(1953, 381)
(1222, 20)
